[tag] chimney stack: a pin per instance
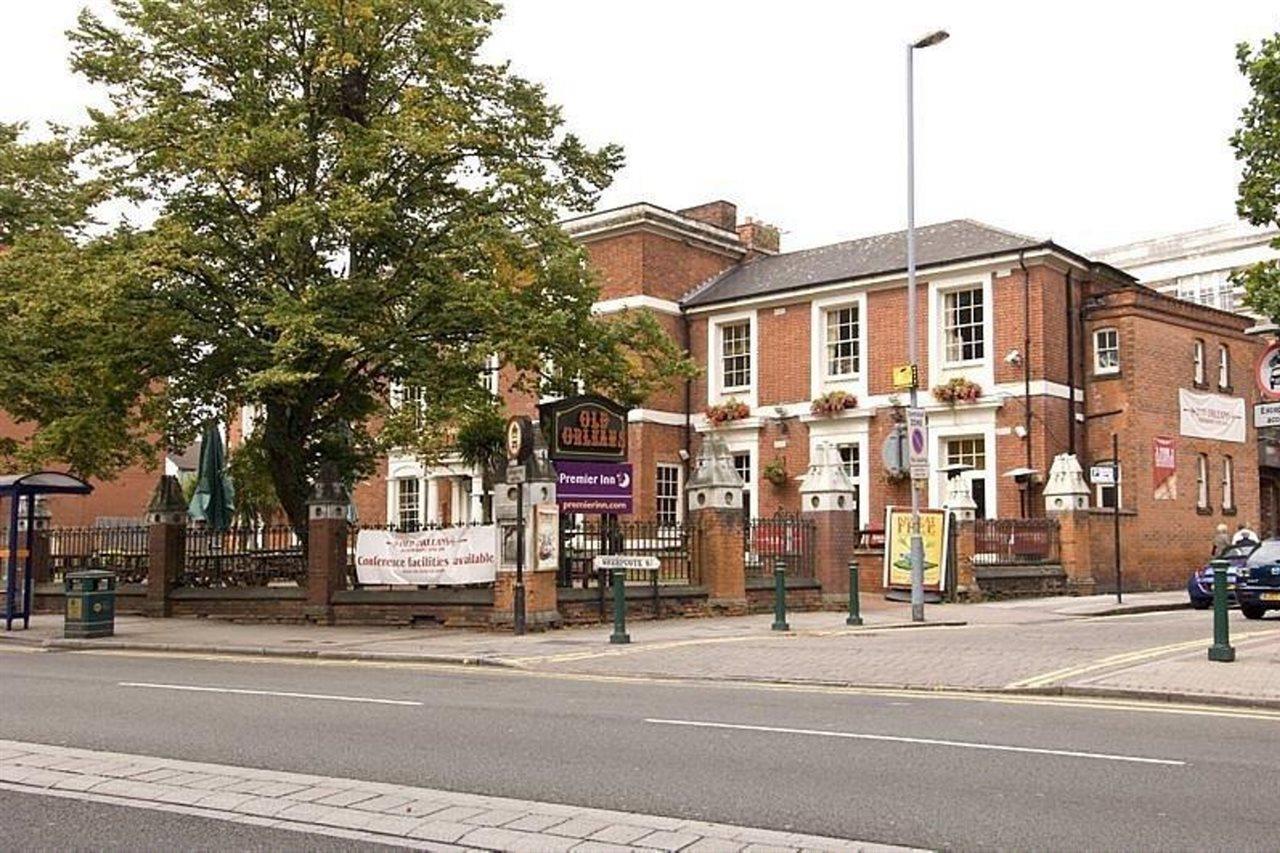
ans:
(759, 238)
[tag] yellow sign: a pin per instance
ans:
(905, 376)
(897, 547)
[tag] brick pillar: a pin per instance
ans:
(715, 495)
(166, 544)
(826, 499)
(966, 585)
(41, 566)
(326, 543)
(1074, 551)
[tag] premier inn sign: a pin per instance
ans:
(587, 428)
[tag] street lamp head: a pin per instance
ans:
(932, 39)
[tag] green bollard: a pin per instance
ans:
(619, 635)
(780, 595)
(855, 615)
(1221, 650)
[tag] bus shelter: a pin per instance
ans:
(17, 554)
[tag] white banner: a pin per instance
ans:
(454, 555)
(1211, 416)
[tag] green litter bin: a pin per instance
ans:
(91, 605)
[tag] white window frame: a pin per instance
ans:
(1203, 498)
(830, 357)
(943, 326)
(1197, 355)
(821, 381)
(400, 483)
(716, 390)
(965, 423)
(659, 497)
(1228, 483)
(1224, 367)
(981, 371)
(742, 335)
(1100, 369)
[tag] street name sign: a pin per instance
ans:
(627, 562)
(1102, 475)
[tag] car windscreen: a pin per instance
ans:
(1239, 552)
(1268, 552)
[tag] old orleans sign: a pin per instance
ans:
(587, 428)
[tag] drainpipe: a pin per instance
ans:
(1071, 366)
(1026, 369)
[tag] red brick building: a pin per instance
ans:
(1065, 351)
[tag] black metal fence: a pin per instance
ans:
(1015, 541)
(121, 549)
(244, 557)
(786, 536)
(675, 545)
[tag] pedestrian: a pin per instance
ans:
(1221, 541)
(1244, 534)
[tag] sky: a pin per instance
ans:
(1091, 123)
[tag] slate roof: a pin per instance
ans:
(946, 242)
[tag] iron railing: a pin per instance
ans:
(117, 548)
(786, 536)
(675, 546)
(249, 556)
(1015, 541)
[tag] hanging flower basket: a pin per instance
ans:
(776, 472)
(833, 403)
(957, 391)
(897, 475)
(732, 409)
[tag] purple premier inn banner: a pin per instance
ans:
(594, 487)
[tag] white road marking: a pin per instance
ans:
(917, 740)
(197, 689)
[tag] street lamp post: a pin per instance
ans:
(917, 544)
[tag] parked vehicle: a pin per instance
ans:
(1258, 586)
(1200, 584)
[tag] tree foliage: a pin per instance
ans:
(1257, 144)
(337, 198)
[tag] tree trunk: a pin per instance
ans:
(283, 442)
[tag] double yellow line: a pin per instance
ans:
(1124, 659)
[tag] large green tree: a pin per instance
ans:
(1257, 144)
(326, 199)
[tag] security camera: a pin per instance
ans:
(1014, 357)
(683, 454)
(1020, 431)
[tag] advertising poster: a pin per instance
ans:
(1164, 468)
(897, 547)
(453, 555)
(546, 537)
(1216, 416)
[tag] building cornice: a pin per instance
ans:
(649, 217)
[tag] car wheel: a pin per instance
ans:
(1252, 611)
(1200, 603)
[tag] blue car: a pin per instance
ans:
(1258, 589)
(1200, 584)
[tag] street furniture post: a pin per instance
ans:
(619, 635)
(855, 615)
(1115, 515)
(1221, 649)
(780, 595)
(519, 588)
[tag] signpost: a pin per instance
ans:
(906, 376)
(619, 565)
(587, 428)
(1266, 373)
(519, 450)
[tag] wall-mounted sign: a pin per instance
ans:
(591, 487)
(1267, 373)
(1102, 475)
(587, 428)
(1216, 416)
(1164, 467)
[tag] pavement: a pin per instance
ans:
(1150, 647)
(404, 815)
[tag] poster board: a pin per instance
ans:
(935, 530)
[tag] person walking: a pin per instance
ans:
(1221, 541)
